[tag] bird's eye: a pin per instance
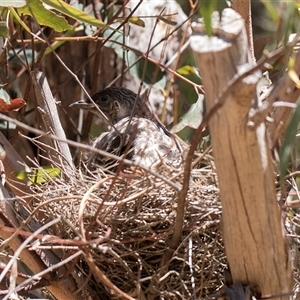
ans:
(104, 99)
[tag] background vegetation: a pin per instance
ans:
(84, 46)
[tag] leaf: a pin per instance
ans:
(23, 24)
(187, 70)
(3, 29)
(271, 9)
(13, 3)
(110, 11)
(167, 21)
(36, 9)
(292, 73)
(117, 36)
(206, 9)
(192, 118)
(75, 13)
(136, 21)
(40, 175)
(289, 138)
(294, 76)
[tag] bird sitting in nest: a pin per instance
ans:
(135, 133)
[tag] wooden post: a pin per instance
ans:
(253, 235)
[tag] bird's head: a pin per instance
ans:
(116, 103)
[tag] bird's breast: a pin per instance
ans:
(143, 141)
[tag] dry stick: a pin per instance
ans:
(143, 55)
(86, 125)
(101, 277)
(51, 119)
(36, 260)
(12, 162)
(24, 244)
(186, 173)
(244, 9)
(48, 270)
(284, 90)
(8, 218)
(84, 201)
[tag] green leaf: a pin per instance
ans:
(74, 13)
(40, 175)
(136, 21)
(206, 9)
(192, 118)
(289, 138)
(3, 29)
(21, 175)
(110, 11)
(23, 24)
(13, 3)
(271, 9)
(44, 16)
(187, 70)
(167, 21)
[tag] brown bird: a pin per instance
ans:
(135, 133)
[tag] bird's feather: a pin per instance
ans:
(140, 140)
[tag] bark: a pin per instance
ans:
(284, 90)
(35, 261)
(243, 7)
(51, 122)
(253, 234)
(12, 162)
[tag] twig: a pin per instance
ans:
(101, 277)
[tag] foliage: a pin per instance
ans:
(39, 176)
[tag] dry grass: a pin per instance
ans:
(125, 224)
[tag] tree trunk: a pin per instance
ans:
(253, 235)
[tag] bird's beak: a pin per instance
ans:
(83, 104)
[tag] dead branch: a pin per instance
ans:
(51, 120)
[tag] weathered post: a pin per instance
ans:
(252, 230)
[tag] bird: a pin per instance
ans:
(135, 132)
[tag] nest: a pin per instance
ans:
(119, 228)
(124, 225)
